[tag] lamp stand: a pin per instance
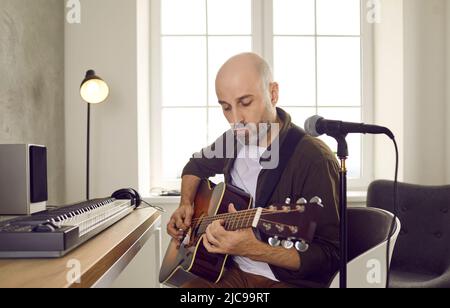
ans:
(88, 148)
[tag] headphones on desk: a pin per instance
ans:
(128, 194)
(133, 195)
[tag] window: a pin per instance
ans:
(317, 49)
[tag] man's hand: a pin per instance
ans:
(238, 243)
(180, 222)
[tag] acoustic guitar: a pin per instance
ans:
(289, 225)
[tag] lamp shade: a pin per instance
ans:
(94, 90)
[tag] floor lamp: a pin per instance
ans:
(93, 90)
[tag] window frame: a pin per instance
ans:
(262, 43)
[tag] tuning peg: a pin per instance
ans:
(286, 208)
(301, 208)
(288, 201)
(302, 201)
(274, 241)
(316, 200)
(301, 246)
(287, 244)
(267, 226)
(301, 205)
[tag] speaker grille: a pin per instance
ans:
(38, 174)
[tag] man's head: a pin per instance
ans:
(246, 91)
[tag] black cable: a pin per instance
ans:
(158, 208)
(394, 221)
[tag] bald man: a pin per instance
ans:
(248, 97)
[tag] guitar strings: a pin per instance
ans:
(238, 218)
(265, 212)
(205, 221)
(238, 215)
(242, 214)
(243, 225)
(226, 214)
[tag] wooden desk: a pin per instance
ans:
(97, 263)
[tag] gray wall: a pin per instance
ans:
(447, 52)
(32, 81)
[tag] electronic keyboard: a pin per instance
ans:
(54, 233)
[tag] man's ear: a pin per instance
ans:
(274, 93)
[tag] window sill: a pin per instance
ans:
(356, 196)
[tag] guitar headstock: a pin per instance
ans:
(291, 225)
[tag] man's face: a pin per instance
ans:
(245, 101)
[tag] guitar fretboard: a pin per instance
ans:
(232, 221)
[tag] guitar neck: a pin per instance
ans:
(233, 221)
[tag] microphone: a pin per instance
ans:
(317, 126)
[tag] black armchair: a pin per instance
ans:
(422, 254)
(368, 230)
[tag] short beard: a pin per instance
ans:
(258, 133)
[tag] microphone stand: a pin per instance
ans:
(339, 131)
(343, 233)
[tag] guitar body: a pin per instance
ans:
(183, 264)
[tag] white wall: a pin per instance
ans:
(425, 91)
(113, 39)
(143, 105)
(107, 40)
(410, 89)
(389, 84)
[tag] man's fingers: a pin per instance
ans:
(217, 229)
(231, 208)
(188, 218)
(209, 247)
(180, 224)
(211, 238)
(219, 226)
(173, 231)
